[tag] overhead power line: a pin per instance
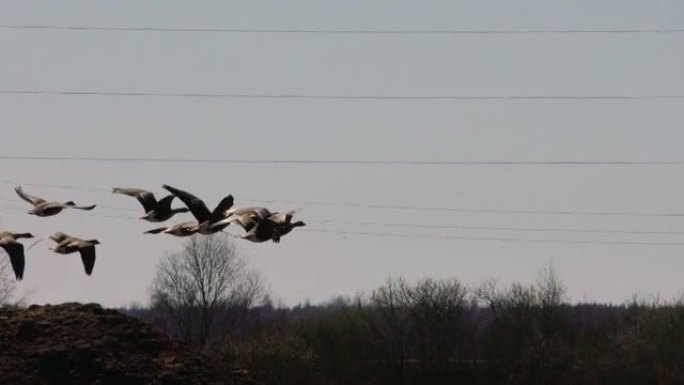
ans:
(432, 226)
(345, 97)
(434, 162)
(474, 210)
(406, 207)
(60, 186)
(497, 239)
(498, 228)
(442, 237)
(346, 31)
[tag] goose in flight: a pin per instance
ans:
(15, 250)
(44, 208)
(261, 229)
(155, 211)
(67, 244)
(183, 229)
(205, 218)
(269, 230)
(261, 212)
(247, 217)
(283, 224)
(58, 237)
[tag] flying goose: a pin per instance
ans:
(58, 237)
(67, 244)
(272, 227)
(43, 208)
(283, 224)
(155, 211)
(261, 212)
(260, 231)
(247, 217)
(199, 210)
(183, 229)
(15, 250)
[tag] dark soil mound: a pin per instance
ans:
(85, 344)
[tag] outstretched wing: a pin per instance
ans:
(164, 204)
(28, 198)
(72, 205)
(15, 250)
(88, 258)
(131, 192)
(281, 218)
(266, 229)
(290, 214)
(223, 206)
(247, 220)
(36, 242)
(155, 231)
(59, 237)
(197, 207)
(146, 198)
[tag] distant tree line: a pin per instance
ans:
(433, 331)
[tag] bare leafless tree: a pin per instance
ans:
(198, 284)
(437, 309)
(386, 315)
(421, 321)
(551, 290)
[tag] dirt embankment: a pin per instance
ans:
(84, 344)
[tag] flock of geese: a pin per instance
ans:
(259, 223)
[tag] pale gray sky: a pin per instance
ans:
(316, 266)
